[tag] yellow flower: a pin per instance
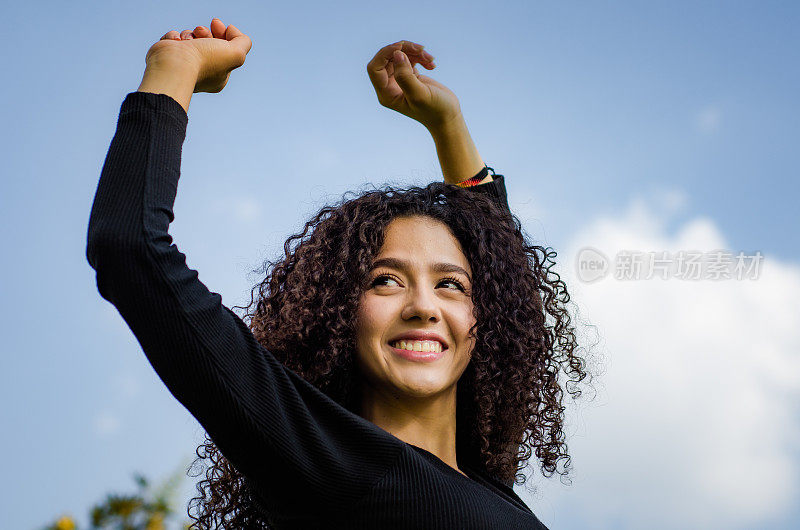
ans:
(65, 523)
(156, 522)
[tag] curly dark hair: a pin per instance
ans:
(509, 398)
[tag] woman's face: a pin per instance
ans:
(420, 283)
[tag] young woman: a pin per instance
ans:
(401, 362)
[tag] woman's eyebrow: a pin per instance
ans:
(396, 263)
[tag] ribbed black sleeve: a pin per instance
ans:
(496, 189)
(313, 463)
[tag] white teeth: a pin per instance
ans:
(419, 345)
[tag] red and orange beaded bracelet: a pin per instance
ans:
(472, 181)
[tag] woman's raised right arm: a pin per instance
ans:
(400, 87)
(287, 437)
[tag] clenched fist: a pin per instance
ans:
(400, 87)
(213, 53)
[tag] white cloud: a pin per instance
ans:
(242, 208)
(127, 385)
(106, 424)
(707, 120)
(672, 201)
(696, 421)
(247, 208)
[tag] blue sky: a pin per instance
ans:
(617, 126)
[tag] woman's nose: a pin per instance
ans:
(421, 303)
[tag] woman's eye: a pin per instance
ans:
(381, 280)
(385, 280)
(455, 282)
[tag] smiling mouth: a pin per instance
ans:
(415, 352)
(418, 346)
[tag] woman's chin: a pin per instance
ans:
(420, 383)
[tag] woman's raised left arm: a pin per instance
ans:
(457, 153)
(400, 87)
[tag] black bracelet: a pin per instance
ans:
(476, 179)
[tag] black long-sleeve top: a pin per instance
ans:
(313, 463)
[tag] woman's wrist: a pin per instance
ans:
(458, 156)
(175, 79)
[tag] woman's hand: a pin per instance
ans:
(213, 53)
(400, 87)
